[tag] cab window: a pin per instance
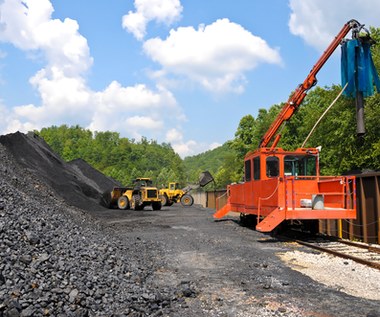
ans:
(272, 166)
(300, 165)
(256, 168)
(247, 170)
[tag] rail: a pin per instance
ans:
(369, 256)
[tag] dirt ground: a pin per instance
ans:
(235, 271)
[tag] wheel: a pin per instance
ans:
(187, 200)
(136, 202)
(311, 226)
(248, 220)
(156, 205)
(164, 200)
(123, 203)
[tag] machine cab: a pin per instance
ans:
(265, 164)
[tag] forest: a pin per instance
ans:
(342, 151)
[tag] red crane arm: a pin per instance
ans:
(299, 94)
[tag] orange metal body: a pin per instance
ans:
(295, 191)
(284, 185)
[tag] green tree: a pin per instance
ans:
(245, 135)
(119, 158)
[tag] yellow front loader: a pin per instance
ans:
(174, 194)
(142, 193)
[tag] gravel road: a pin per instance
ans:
(64, 254)
(234, 271)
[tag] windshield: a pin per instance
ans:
(300, 165)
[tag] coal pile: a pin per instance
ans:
(56, 259)
(102, 184)
(76, 182)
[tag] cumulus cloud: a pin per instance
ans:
(215, 56)
(186, 148)
(28, 26)
(183, 148)
(163, 11)
(318, 22)
(133, 111)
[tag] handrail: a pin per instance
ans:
(346, 196)
(266, 198)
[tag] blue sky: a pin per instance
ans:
(183, 72)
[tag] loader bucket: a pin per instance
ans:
(205, 178)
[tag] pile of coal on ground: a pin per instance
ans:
(56, 260)
(76, 182)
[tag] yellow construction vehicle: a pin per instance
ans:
(142, 193)
(174, 194)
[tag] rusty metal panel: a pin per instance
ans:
(366, 227)
(217, 197)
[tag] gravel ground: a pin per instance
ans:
(64, 254)
(348, 276)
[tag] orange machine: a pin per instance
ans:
(286, 185)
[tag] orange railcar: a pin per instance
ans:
(285, 185)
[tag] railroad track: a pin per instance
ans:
(359, 252)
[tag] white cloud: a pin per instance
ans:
(183, 148)
(141, 122)
(215, 56)
(186, 148)
(173, 135)
(136, 97)
(28, 25)
(318, 22)
(164, 11)
(133, 111)
(214, 145)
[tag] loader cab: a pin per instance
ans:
(173, 186)
(143, 182)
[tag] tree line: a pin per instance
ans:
(122, 159)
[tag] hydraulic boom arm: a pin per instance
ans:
(299, 94)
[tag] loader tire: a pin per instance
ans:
(164, 200)
(187, 200)
(137, 203)
(123, 203)
(156, 205)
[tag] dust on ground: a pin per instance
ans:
(343, 275)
